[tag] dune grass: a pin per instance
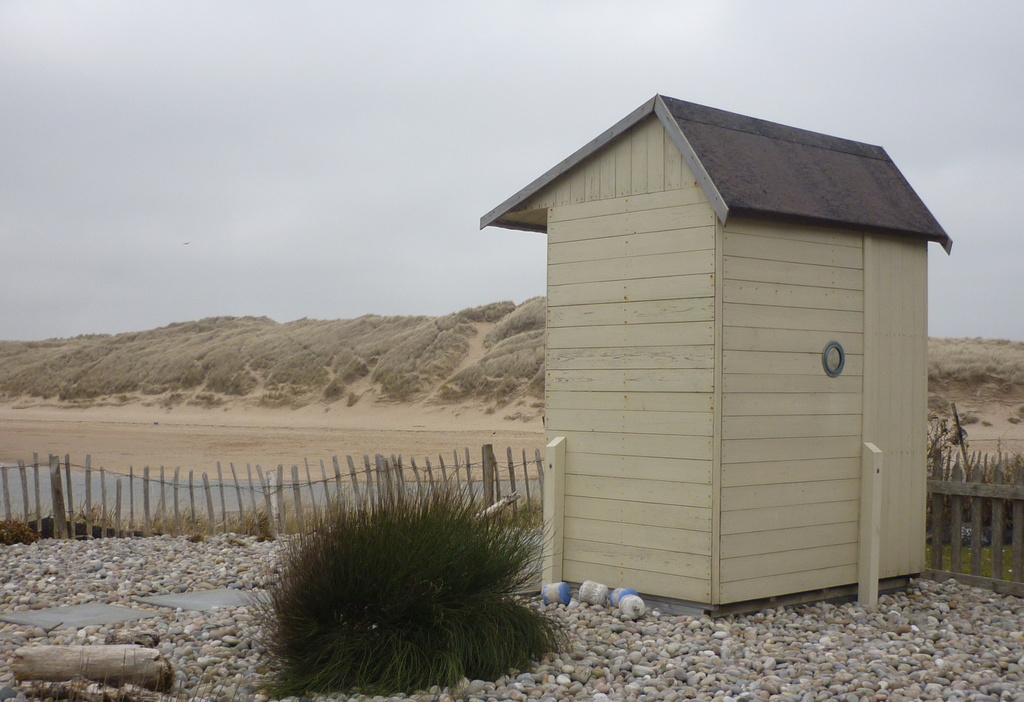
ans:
(976, 360)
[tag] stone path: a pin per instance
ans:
(79, 616)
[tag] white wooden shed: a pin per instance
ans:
(735, 309)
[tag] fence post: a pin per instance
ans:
(211, 515)
(88, 496)
(870, 525)
(177, 508)
(489, 463)
(554, 493)
(35, 482)
(24, 490)
(938, 518)
(117, 506)
(264, 484)
(60, 524)
(297, 492)
(147, 517)
(7, 493)
(71, 496)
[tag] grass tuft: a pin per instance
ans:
(404, 595)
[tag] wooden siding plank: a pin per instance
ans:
(641, 380)
(699, 309)
(665, 288)
(753, 315)
(766, 339)
(622, 148)
(769, 518)
(757, 474)
(793, 426)
(641, 468)
(755, 450)
(643, 422)
(677, 218)
(733, 383)
(633, 401)
(621, 511)
(655, 155)
(686, 565)
(785, 562)
(685, 334)
(683, 588)
(631, 203)
(801, 296)
(790, 251)
(698, 447)
(816, 492)
(631, 268)
(677, 173)
(757, 404)
(674, 240)
(659, 492)
(802, 581)
(756, 542)
(808, 234)
(637, 536)
(757, 270)
(785, 363)
(674, 357)
(638, 159)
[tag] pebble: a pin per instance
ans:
(935, 641)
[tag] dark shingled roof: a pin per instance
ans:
(754, 168)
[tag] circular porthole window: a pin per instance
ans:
(833, 359)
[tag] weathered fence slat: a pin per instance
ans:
(976, 523)
(60, 527)
(162, 509)
(956, 537)
(297, 492)
(105, 517)
(117, 508)
(1017, 551)
(147, 518)
(177, 505)
(938, 518)
(223, 503)
(24, 490)
(7, 493)
(35, 480)
(71, 497)
(238, 495)
(88, 496)
(997, 525)
(212, 528)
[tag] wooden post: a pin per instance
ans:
(512, 477)
(252, 494)
(162, 509)
(997, 525)
(469, 478)
(416, 474)
(88, 496)
(312, 494)
(526, 478)
(489, 464)
(209, 505)
(117, 507)
(323, 481)
(369, 479)
(7, 493)
(869, 550)
(131, 498)
(429, 470)
(976, 523)
(264, 485)
(444, 469)
(554, 495)
(192, 497)
(938, 520)
(177, 507)
(956, 538)
(24, 491)
(297, 492)
(1017, 550)
(71, 497)
(238, 494)
(540, 467)
(147, 517)
(35, 481)
(353, 477)
(105, 524)
(60, 523)
(223, 504)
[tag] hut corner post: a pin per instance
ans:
(554, 496)
(870, 525)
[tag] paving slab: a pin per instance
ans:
(75, 616)
(200, 599)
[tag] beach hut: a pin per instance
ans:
(736, 363)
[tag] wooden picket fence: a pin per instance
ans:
(976, 520)
(268, 503)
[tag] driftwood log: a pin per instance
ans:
(112, 665)
(84, 690)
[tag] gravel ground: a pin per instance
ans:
(934, 641)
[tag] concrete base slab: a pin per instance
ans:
(200, 599)
(75, 616)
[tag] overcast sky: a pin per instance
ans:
(168, 161)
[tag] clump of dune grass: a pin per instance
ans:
(513, 366)
(402, 595)
(976, 360)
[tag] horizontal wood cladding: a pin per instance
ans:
(660, 492)
(638, 536)
(783, 272)
(784, 562)
(632, 401)
(799, 471)
(686, 334)
(642, 160)
(671, 287)
(695, 471)
(770, 518)
(659, 445)
(674, 357)
(666, 229)
(697, 589)
(786, 363)
(762, 404)
(787, 340)
(783, 384)
(791, 426)
(674, 563)
(797, 581)
(635, 422)
(780, 495)
(632, 267)
(646, 312)
(689, 195)
(657, 380)
(779, 317)
(766, 450)
(611, 508)
(752, 543)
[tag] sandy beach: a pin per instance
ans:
(119, 437)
